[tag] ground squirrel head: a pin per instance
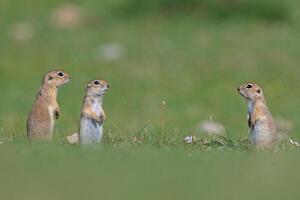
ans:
(56, 78)
(97, 87)
(250, 91)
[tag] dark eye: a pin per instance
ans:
(96, 83)
(60, 74)
(249, 86)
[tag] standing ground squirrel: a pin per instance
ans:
(260, 120)
(92, 114)
(40, 123)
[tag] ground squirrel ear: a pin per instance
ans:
(258, 91)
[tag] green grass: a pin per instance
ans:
(71, 172)
(193, 63)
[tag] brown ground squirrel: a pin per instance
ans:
(260, 120)
(93, 115)
(45, 110)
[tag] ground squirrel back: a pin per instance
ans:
(41, 120)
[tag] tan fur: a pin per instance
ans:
(89, 113)
(40, 123)
(260, 120)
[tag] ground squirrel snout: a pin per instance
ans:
(92, 114)
(41, 120)
(260, 120)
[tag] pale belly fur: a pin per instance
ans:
(91, 131)
(51, 113)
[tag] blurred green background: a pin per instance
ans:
(191, 54)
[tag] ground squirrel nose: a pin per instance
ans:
(107, 86)
(238, 89)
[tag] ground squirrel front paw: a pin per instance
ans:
(102, 118)
(56, 114)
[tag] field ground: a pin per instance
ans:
(193, 64)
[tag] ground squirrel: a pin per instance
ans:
(45, 110)
(260, 120)
(92, 115)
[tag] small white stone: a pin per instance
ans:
(66, 16)
(211, 127)
(284, 125)
(73, 138)
(109, 52)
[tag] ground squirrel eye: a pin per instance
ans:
(60, 74)
(249, 86)
(96, 83)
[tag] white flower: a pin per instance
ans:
(294, 142)
(188, 139)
